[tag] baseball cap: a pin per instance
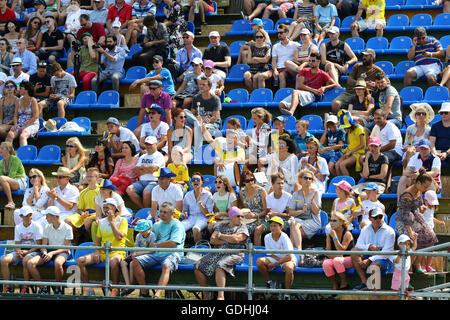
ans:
(116, 24)
(197, 60)
(208, 64)
(158, 58)
(375, 140)
(333, 29)
(375, 212)
(113, 120)
(371, 186)
(277, 220)
(107, 184)
(423, 143)
(150, 140)
(431, 197)
(257, 21)
(25, 210)
(110, 201)
(369, 51)
(214, 34)
(305, 31)
(403, 238)
(85, 34)
(190, 34)
(157, 83)
(54, 211)
(344, 185)
(281, 118)
(16, 61)
(143, 225)
(332, 118)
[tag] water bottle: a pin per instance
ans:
(276, 82)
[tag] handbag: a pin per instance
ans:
(193, 257)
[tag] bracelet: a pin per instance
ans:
(335, 239)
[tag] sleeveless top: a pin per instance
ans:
(344, 207)
(25, 115)
(305, 53)
(179, 141)
(8, 112)
(336, 53)
(6, 62)
(259, 52)
(254, 205)
(34, 37)
(307, 13)
(350, 245)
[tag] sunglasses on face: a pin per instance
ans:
(334, 220)
(186, 37)
(259, 37)
(444, 113)
(182, 117)
(307, 178)
(9, 86)
(377, 217)
(34, 176)
(240, 216)
(70, 146)
(280, 32)
(421, 113)
(313, 60)
(61, 177)
(195, 179)
(154, 88)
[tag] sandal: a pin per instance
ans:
(10, 205)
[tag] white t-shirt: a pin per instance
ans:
(278, 205)
(120, 204)
(389, 132)
(56, 237)
(22, 77)
(127, 135)
(417, 163)
(158, 132)
(428, 216)
(223, 203)
(320, 185)
(289, 167)
(28, 235)
(283, 243)
(368, 205)
(71, 194)
(284, 53)
(155, 159)
(172, 194)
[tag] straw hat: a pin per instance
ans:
(421, 106)
(50, 125)
(63, 172)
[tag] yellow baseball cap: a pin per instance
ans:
(277, 220)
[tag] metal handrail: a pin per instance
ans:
(249, 288)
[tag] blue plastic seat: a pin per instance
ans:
(235, 47)
(435, 95)
(236, 73)
(401, 68)
(441, 22)
(134, 73)
(378, 44)
(240, 27)
(132, 123)
(208, 181)
(204, 156)
(48, 155)
(416, 4)
(346, 22)
(190, 26)
(400, 45)
(386, 66)
(286, 21)
(394, 4)
(238, 97)
(280, 94)
(267, 24)
(315, 123)
(329, 96)
(260, 97)
(356, 44)
(411, 95)
(420, 20)
(242, 121)
(107, 100)
(392, 222)
(397, 22)
(27, 154)
(436, 118)
(135, 48)
(82, 252)
(83, 122)
(323, 222)
(59, 123)
(445, 41)
(84, 100)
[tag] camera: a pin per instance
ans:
(76, 46)
(96, 46)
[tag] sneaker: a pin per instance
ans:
(126, 292)
(57, 290)
(88, 292)
(25, 290)
(269, 284)
(361, 287)
(43, 290)
(287, 297)
(115, 292)
(429, 269)
(244, 17)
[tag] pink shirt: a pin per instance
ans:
(124, 169)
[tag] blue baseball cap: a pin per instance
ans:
(371, 186)
(257, 21)
(423, 143)
(143, 225)
(107, 184)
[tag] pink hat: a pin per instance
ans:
(344, 185)
(375, 140)
(208, 64)
(233, 211)
(431, 198)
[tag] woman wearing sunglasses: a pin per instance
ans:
(315, 163)
(421, 115)
(258, 57)
(197, 204)
(224, 198)
(339, 239)
(75, 160)
(8, 104)
(6, 56)
(304, 206)
(179, 134)
(33, 34)
(36, 197)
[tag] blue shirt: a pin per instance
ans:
(333, 138)
(185, 61)
(139, 11)
(29, 63)
(119, 54)
(301, 142)
(167, 80)
(325, 14)
(174, 231)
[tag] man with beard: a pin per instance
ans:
(365, 70)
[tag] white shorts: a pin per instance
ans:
(275, 262)
(22, 183)
(371, 24)
(195, 221)
(304, 98)
(426, 69)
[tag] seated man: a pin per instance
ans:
(166, 191)
(121, 11)
(440, 134)
(426, 52)
(41, 82)
(312, 83)
(114, 229)
(140, 9)
(29, 61)
(114, 59)
(156, 128)
(283, 51)
(424, 158)
(375, 19)
(149, 163)
(189, 86)
(117, 135)
(169, 233)
(99, 12)
(26, 233)
(219, 53)
(56, 233)
(367, 241)
(95, 29)
(62, 90)
(17, 75)
(184, 57)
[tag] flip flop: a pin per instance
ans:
(10, 206)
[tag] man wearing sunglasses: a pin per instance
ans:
(219, 53)
(377, 236)
(185, 56)
(17, 75)
(440, 134)
(283, 51)
(426, 52)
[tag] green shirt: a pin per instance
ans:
(87, 63)
(16, 169)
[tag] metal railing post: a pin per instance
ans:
(107, 263)
(404, 253)
(250, 272)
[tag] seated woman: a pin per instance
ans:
(124, 174)
(36, 197)
(301, 54)
(12, 173)
(179, 134)
(339, 239)
(258, 139)
(305, 207)
(6, 56)
(258, 57)
(75, 160)
(303, 19)
(101, 159)
(8, 105)
(200, 7)
(316, 164)
(33, 34)
(421, 114)
(231, 235)
(197, 204)
(189, 87)
(257, 25)
(12, 34)
(224, 198)
(362, 103)
(26, 116)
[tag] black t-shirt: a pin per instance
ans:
(217, 54)
(51, 39)
(45, 82)
(375, 166)
(358, 106)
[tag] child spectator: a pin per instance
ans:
(371, 194)
(315, 163)
(332, 140)
(302, 135)
(179, 167)
(325, 17)
(303, 18)
(431, 202)
(403, 240)
(143, 239)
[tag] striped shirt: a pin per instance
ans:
(140, 11)
(431, 45)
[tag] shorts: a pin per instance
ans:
(344, 98)
(16, 260)
(432, 69)
(324, 25)
(285, 7)
(386, 265)
(22, 183)
(65, 254)
(397, 279)
(371, 24)
(304, 98)
(275, 262)
(149, 260)
(122, 254)
(53, 103)
(140, 186)
(332, 155)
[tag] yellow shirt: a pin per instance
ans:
(105, 232)
(181, 171)
(375, 9)
(354, 140)
(86, 198)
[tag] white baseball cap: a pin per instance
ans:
(150, 140)
(333, 29)
(214, 34)
(25, 210)
(403, 238)
(54, 211)
(431, 198)
(110, 201)
(332, 118)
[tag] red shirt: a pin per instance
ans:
(97, 31)
(8, 15)
(314, 80)
(124, 14)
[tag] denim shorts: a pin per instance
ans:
(386, 265)
(149, 260)
(140, 185)
(16, 258)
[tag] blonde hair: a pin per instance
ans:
(76, 142)
(340, 216)
(9, 146)
(303, 172)
(40, 174)
(93, 169)
(314, 140)
(304, 123)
